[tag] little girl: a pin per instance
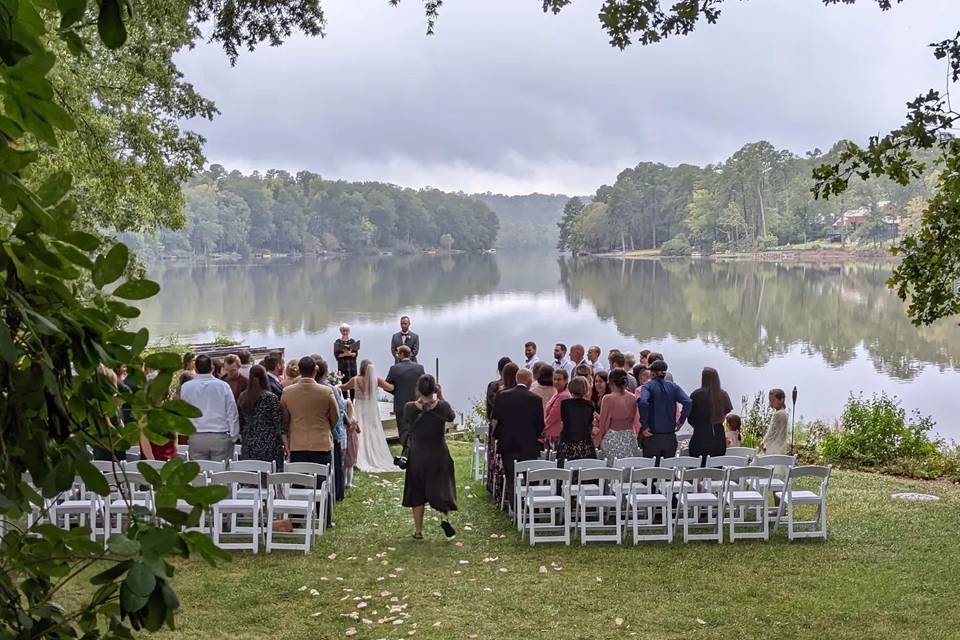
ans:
(353, 443)
(732, 428)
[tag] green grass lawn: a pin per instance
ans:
(889, 570)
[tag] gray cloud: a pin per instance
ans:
(508, 99)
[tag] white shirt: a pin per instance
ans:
(597, 366)
(532, 360)
(245, 370)
(215, 400)
(566, 365)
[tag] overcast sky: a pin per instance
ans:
(507, 99)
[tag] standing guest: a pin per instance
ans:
(219, 426)
(560, 359)
(732, 427)
(190, 363)
(353, 442)
(274, 368)
(345, 350)
(495, 385)
(576, 415)
(584, 371)
(611, 356)
(232, 376)
(519, 415)
(508, 380)
(543, 382)
(530, 355)
(643, 357)
(429, 477)
(619, 361)
(218, 368)
(291, 373)
(577, 356)
(652, 357)
(113, 420)
(339, 429)
(552, 421)
(658, 413)
(710, 405)
(246, 363)
(618, 419)
(405, 338)
(261, 421)
(775, 440)
(593, 357)
(629, 361)
(402, 380)
(599, 390)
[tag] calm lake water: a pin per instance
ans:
(829, 330)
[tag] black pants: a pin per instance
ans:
(510, 461)
(709, 441)
(338, 482)
(318, 457)
(660, 445)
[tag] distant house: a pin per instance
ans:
(851, 219)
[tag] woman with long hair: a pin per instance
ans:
(429, 475)
(619, 419)
(373, 453)
(261, 421)
(599, 390)
(543, 382)
(508, 380)
(711, 404)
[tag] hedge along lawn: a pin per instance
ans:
(890, 569)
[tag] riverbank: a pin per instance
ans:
(811, 255)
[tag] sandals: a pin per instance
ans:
(418, 536)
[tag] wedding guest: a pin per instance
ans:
(709, 406)
(658, 413)
(246, 363)
(643, 357)
(219, 426)
(618, 419)
(629, 361)
(584, 371)
(495, 385)
(218, 368)
(189, 363)
(346, 350)
(261, 421)
(593, 357)
(577, 356)
(599, 390)
(273, 364)
(552, 422)
(519, 415)
(401, 381)
(611, 356)
(643, 376)
(352, 424)
(654, 356)
(291, 373)
(619, 361)
(576, 416)
(732, 427)
(339, 429)
(508, 380)
(560, 359)
(775, 439)
(405, 338)
(113, 420)
(543, 382)
(429, 477)
(232, 376)
(530, 355)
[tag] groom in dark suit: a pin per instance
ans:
(405, 338)
(519, 415)
(403, 378)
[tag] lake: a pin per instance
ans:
(828, 330)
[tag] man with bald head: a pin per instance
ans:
(519, 416)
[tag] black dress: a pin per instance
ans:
(261, 432)
(346, 366)
(429, 478)
(708, 437)
(576, 436)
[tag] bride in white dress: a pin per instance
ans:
(373, 455)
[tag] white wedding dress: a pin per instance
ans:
(373, 454)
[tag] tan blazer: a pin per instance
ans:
(310, 413)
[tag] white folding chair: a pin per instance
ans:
(781, 465)
(555, 501)
(725, 461)
(650, 493)
(82, 504)
(625, 465)
(792, 497)
(251, 506)
(210, 466)
(325, 496)
(607, 498)
(200, 480)
(183, 451)
(236, 451)
(678, 464)
(300, 504)
(479, 460)
(520, 471)
(747, 489)
(107, 466)
(133, 492)
(133, 465)
(576, 466)
(747, 452)
(701, 489)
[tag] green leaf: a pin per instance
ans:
(121, 545)
(140, 342)
(71, 12)
(110, 266)
(163, 360)
(137, 289)
(92, 477)
(169, 596)
(123, 310)
(150, 474)
(109, 575)
(182, 408)
(130, 601)
(8, 350)
(140, 579)
(159, 387)
(110, 24)
(82, 240)
(73, 255)
(172, 515)
(54, 188)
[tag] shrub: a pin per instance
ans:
(755, 416)
(677, 246)
(876, 432)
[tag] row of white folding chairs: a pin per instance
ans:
(647, 494)
(677, 463)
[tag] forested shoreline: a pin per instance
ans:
(760, 197)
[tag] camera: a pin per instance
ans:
(400, 461)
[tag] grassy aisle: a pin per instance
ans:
(890, 570)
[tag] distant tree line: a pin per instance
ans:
(757, 198)
(229, 212)
(525, 220)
